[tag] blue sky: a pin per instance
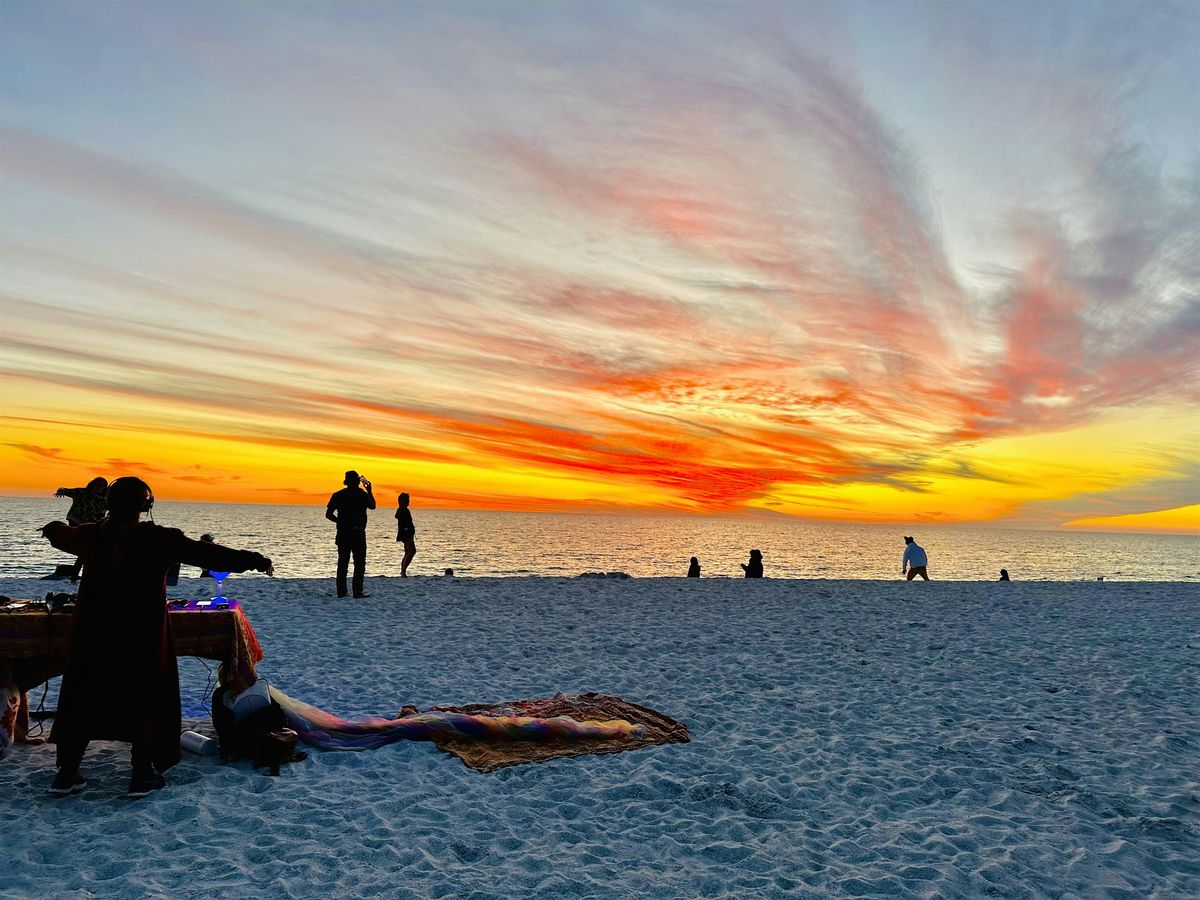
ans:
(845, 259)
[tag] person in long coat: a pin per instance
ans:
(121, 681)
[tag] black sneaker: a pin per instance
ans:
(361, 596)
(64, 784)
(141, 785)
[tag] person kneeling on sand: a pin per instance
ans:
(121, 681)
(915, 560)
(754, 568)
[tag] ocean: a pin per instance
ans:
(479, 543)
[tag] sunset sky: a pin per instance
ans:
(882, 262)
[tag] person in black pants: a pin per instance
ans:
(348, 508)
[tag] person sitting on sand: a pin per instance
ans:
(406, 533)
(694, 568)
(87, 505)
(1004, 575)
(121, 681)
(754, 568)
(915, 560)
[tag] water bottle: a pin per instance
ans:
(198, 743)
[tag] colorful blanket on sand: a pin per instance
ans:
(491, 737)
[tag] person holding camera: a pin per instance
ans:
(347, 508)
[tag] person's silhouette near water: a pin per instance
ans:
(915, 560)
(694, 568)
(121, 681)
(87, 505)
(1004, 575)
(348, 509)
(754, 568)
(406, 532)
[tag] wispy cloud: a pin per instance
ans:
(711, 255)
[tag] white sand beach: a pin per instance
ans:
(848, 739)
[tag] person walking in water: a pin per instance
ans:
(121, 680)
(694, 568)
(915, 560)
(754, 568)
(348, 509)
(87, 505)
(406, 533)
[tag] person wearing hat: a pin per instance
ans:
(915, 560)
(347, 508)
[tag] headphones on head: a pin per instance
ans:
(125, 491)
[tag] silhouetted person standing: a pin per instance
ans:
(406, 532)
(754, 568)
(915, 560)
(87, 505)
(121, 681)
(348, 508)
(694, 568)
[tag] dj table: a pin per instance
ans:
(34, 643)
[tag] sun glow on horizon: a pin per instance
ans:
(710, 261)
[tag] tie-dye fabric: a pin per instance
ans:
(330, 732)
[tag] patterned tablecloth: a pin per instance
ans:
(35, 643)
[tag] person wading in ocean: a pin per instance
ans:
(915, 560)
(347, 508)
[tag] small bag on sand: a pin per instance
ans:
(253, 724)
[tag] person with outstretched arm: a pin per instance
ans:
(87, 505)
(347, 509)
(121, 681)
(915, 560)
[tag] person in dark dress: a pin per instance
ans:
(87, 505)
(348, 509)
(694, 568)
(754, 568)
(406, 532)
(121, 681)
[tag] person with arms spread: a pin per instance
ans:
(121, 681)
(347, 508)
(87, 505)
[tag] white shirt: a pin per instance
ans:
(914, 555)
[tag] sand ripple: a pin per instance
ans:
(849, 738)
